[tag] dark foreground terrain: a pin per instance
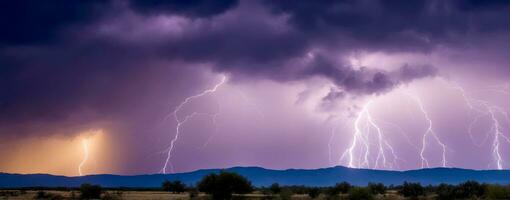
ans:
(230, 185)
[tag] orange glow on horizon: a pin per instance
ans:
(83, 154)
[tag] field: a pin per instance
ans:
(125, 195)
(155, 195)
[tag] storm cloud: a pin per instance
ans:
(64, 49)
(69, 64)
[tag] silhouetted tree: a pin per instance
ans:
(412, 190)
(88, 191)
(223, 185)
(469, 189)
(359, 193)
(377, 188)
(445, 192)
(275, 188)
(173, 186)
(342, 187)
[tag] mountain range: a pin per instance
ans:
(264, 177)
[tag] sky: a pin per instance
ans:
(150, 86)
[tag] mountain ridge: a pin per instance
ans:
(263, 177)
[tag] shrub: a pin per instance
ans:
(286, 194)
(411, 190)
(111, 196)
(377, 188)
(89, 191)
(10, 193)
(193, 193)
(173, 186)
(40, 195)
(469, 189)
(343, 187)
(445, 192)
(359, 193)
(223, 185)
(314, 192)
(332, 193)
(48, 196)
(496, 192)
(275, 188)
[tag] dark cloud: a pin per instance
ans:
(29, 22)
(192, 8)
(396, 25)
(60, 57)
(365, 81)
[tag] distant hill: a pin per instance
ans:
(263, 177)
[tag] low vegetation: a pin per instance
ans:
(227, 185)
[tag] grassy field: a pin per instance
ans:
(125, 195)
(158, 195)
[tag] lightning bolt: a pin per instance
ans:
(362, 144)
(85, 146)
(486, 109)
(429, 133)
(182, 121)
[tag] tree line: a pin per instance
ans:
(223, 185)
(229, 185)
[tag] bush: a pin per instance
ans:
(359, 193)
(377, 188)
(10, 193)
(173, 186)
(497, 192)
(48, 196)
(286, 194)
(223, 185)
(469, 189)
(89, 191)
(332, 192)
(193, 193)
(314, 192)
(40, 195)
(411, 190)
(343, 187)
(112, 196)
(445, 192)
(275, 188)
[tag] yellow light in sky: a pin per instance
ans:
(87, 152)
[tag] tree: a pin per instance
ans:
(223, 185)
(89, 191)
(359, 193)
(445, 192)
(377, 188)
(342, 187)
(314, 192)
(469, 189)
(275, 188)
(174, 186)
(412, 190)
